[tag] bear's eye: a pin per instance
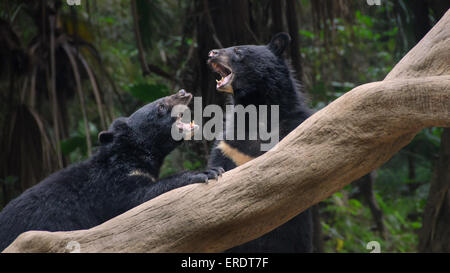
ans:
(161, 108)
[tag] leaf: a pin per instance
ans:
(306, 33)
(152, 22)
(71, 144)
(11, 180)
(81, 27)
(149, 92)
(355, 203)
(339, 244)
(434, 136)
(107, 20)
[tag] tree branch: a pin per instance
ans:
(355, 134)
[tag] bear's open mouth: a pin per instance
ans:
(224, 84)
(187, 129)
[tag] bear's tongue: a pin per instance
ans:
(223, 81)
(224, 72)
(186, 126)
(187, 129)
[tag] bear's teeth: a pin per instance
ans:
(220, 81)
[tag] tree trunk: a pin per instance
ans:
(435, 233)
(220, 24)
(365, 185)
(318, 246)
(277, 16)
(421, 21)
(353, 135)
(291, 16)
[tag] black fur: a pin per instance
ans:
(262, 77)
(91, 192)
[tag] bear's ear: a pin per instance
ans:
(279, 43)
(119, 123)
(105, 137)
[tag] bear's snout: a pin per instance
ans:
(213, 53)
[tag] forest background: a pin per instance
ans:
(68, 70)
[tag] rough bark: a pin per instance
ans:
(355, 134)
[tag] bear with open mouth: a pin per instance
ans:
(258, 75)
(122, 174)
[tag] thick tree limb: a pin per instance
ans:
(350, 137)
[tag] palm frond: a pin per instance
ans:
(77, 77)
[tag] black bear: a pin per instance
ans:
(119, 176)
(258, 75)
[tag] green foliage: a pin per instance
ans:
(10, 180)
(348, 224)
(358, 52)
(181, 160)
(361, 51)
(152, 20)
(149, 92)
(189, 165)
(75, 146)
(338, 56)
